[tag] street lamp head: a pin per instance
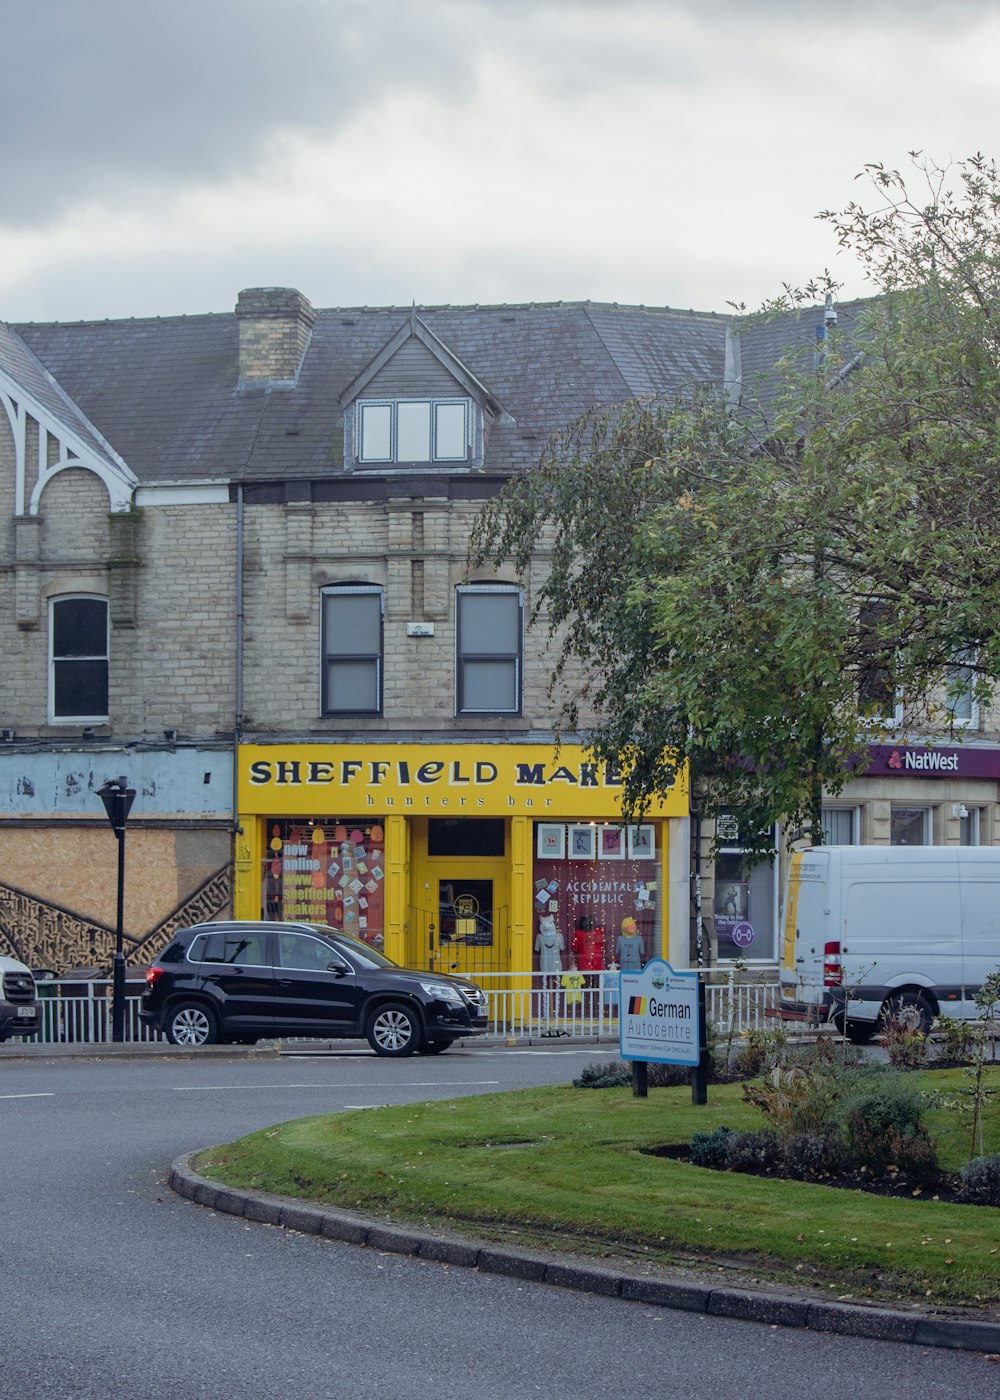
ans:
(117, 797)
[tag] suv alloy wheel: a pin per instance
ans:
(190, 1023)
(394, 1030)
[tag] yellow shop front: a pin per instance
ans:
(460, 857)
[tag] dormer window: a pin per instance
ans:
(411, 431)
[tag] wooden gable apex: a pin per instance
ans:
(415, 362)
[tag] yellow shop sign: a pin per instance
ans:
(456, 779)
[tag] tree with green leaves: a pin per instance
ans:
(749, 588)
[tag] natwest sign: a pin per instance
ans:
(930, 761)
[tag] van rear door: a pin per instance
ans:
(809, 916)
(980, 894)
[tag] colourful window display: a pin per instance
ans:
(328, 870)
(590, 879)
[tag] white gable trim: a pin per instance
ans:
(416, 329)
(118, 478)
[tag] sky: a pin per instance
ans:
(157, 158)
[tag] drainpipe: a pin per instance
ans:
(699, 937)
(238, 680)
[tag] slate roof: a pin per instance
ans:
(26, 371)
(164, 394)
(764, 342)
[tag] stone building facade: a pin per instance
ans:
(233, 570)
(199, 514)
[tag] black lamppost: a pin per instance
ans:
(118, 797)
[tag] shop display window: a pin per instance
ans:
(327, 870)
(589, 879)
(746, 901)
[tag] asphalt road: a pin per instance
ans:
(112, 1288)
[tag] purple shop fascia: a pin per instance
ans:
(930, 761)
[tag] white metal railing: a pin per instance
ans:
(523, 1007)
(79, 1013)
(742, 1006)
(529, 1006)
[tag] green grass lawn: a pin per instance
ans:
(572, 1168)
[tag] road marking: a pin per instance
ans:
(363, 1084)
(27, 1096)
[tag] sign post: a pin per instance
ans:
(118, 797)
(661, 1020)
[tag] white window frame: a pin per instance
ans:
(855, 815)
(928, 824)
(362, 409)
(954, 691)
(341, 590)
(516, 659)
(55, 661)
(974, 818)
(434, 456)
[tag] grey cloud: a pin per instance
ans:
(118, 100)
(111, 96)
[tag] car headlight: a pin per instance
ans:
(443, 990)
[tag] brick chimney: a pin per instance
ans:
(275, 324)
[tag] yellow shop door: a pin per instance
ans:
(459, 916)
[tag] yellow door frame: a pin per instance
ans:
(423, 945)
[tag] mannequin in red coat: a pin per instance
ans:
(588, 945)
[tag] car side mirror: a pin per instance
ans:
(337, 968)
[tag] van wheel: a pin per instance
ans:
(394, 1030)
(191, 1023)
(911, 1007)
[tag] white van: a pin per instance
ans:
(889, 928)
(19, 1013)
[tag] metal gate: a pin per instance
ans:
(470, 942)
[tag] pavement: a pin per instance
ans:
(125, 1050)
(688, 1290)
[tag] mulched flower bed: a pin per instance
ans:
(894, 1183)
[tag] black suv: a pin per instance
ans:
(238, 981)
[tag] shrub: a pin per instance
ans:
(825, 1052)
(907, 1046)
(753, 1151)
(612, 1074)
(980, 1181)
(960, 1040)
(794, 1099)
(617, 1074)
(709, 1149)
(760, 1052)
(883, 1127)
(808, 1155)
(667, 1076)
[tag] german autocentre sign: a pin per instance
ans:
(658, 1016)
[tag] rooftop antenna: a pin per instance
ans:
(828, 322)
